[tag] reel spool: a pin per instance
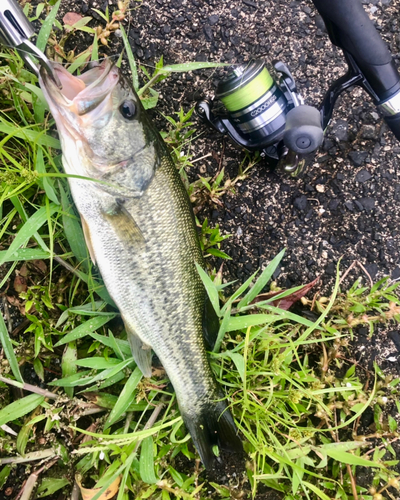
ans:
(256, 114)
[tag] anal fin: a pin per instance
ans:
(141, 352)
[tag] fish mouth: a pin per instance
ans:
(83, 102)
(82, 99)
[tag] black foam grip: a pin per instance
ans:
(393, 123)
(351, 29)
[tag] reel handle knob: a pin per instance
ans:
(303, 132)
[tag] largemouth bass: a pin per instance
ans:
(140, 231)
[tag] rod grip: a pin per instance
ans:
(351, 29)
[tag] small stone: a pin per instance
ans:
(331, 269)
(333, 204)
(368, 132)
(368, 203)
(359, 205)
(213, 19)
(363, 176)
(167, 29)
(250, 3)
(239, 232)
(208, 32)
(340, 130)
(372, 269)
(395, 273)
(320, 188)
(358, 157)
(301, 202)
(349, 205)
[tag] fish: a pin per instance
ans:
(140, 231)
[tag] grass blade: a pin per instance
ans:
(131, 58)
(125, 398)
(262, 280)
(146, 462)
(5, 341)
(95, 48)
(191, 66)
(28, 230)
(20, 408)
(97, 363)
(85, 328)
(46, 28)
(30, 135)
(211, 289)
(243, 322)
(316, 490)
(73, 231)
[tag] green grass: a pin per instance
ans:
(295, 399)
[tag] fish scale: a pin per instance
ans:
(141, 232)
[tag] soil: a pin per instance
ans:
(345, 205)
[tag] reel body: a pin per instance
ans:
(260, 114)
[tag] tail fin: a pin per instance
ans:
(213, 426)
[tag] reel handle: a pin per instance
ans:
(303, 131)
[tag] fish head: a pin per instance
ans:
(104, 131)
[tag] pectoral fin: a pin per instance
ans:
(125, 225)
(141, 352)
(86, 234)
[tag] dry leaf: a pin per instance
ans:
(20, 284)
(40, 265)
(89, 493)
(71, 18)
(24, 270)
(286, 302)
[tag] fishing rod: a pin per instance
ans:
(260, 113)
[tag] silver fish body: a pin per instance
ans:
(140, 231)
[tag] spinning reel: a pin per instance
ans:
(269, 116)
(265, 115)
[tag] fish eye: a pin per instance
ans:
(128, 109)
